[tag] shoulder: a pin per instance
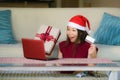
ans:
(62, 43)
(86, 44)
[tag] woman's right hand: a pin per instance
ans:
(60, 54)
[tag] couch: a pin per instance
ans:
(26, 22)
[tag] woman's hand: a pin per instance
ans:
(92, 52)
(60, 54)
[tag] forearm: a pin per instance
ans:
(60, 55)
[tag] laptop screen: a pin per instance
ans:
(33, 49)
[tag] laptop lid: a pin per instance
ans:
(33, 49)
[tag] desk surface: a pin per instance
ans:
(67, 64)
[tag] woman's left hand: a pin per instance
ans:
(92, 53)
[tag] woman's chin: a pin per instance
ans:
(72, 41)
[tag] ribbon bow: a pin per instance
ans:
(46, 36)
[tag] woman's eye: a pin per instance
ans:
(74, 30)
(68, 29)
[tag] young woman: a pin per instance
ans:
(75, 46)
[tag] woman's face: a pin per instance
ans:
(72, 34)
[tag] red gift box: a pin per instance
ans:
(49, 35)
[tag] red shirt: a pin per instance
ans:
(70, 50)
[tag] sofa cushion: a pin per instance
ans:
(109, 30)
(108, 51)
(6, 35)
(11, 50)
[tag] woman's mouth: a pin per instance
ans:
(72, 39)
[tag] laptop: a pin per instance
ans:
(34, 49)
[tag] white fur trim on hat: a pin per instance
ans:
(71, 24)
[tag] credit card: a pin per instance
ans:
(89, 39)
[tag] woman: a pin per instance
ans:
(75, 46)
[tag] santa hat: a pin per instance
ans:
(79, 22)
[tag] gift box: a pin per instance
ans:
(49, 35)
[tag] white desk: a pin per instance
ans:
(19, 64)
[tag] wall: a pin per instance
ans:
(101, 3)
(67, 3)
(94, 3)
